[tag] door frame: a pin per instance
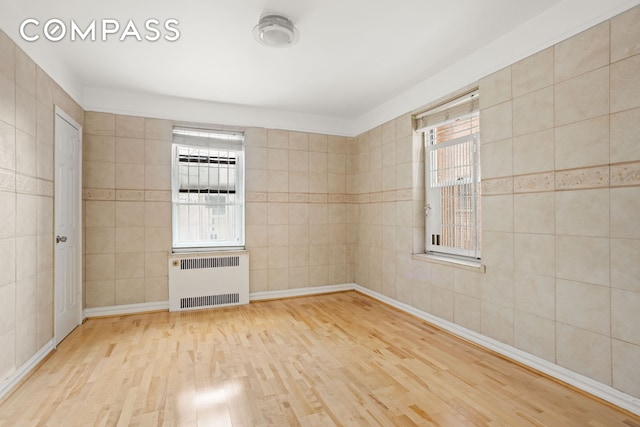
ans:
(60, 114)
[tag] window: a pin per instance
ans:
(207, 189)
(452, 179)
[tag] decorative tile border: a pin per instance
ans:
(582, 178)
(98, 194)
(351, 198)
(7, 181)
(255, 197)
(299, 198)
(337, 198)
(157, 196)
(45, 188)
(15, 183)
(497, 186)
(625, 175)
(278, 197)
(26, 185)
(165, 196)
(318, 198)
(375, 197)
(126, 195)
(389, 196)
(405, 194)
(533, 183)
(130, 195)
(617, 175)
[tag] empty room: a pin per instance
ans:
(316, 213)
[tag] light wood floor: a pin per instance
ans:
(339, 359)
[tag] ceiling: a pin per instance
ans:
(353, 56)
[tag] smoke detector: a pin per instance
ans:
(275, 30)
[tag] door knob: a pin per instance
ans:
(61, 239)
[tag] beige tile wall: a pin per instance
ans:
(296, 213)
(299, 224)
(570, 212)
(561, 206)
(127, 197)
(561, 160)
(388, 195)
(27, 100)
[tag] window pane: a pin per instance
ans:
(453, 171)
(201, 169)
(207, 194)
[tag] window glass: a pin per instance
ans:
(208, 197)
(453, 208)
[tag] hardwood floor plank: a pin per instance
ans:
(340, 359)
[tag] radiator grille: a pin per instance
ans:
(209, 300)
(208, 280)
(191, 263)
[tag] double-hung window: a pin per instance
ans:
(207, 189)
(451, 134)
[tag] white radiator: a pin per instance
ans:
(208, 280)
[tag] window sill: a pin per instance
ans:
(464, 264)
(196, 251)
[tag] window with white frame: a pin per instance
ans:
(452, 177)
(207, 189)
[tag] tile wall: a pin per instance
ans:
(385, 180)
(561, 185)
(560, 153)
(127, 202)
(296, 213)
(299, 225)
(27, 99)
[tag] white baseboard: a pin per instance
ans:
(299, 292)
(116, 310)
(19, 374)
(581, 382)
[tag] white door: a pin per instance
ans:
(67, 227)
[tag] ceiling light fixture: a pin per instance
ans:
(275, 30)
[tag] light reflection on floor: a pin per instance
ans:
(212, 404)
(211, 397)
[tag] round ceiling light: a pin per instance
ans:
(275, 31)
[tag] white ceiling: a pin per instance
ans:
(353, 58)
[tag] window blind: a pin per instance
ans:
(223, 140)
(448, 111)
